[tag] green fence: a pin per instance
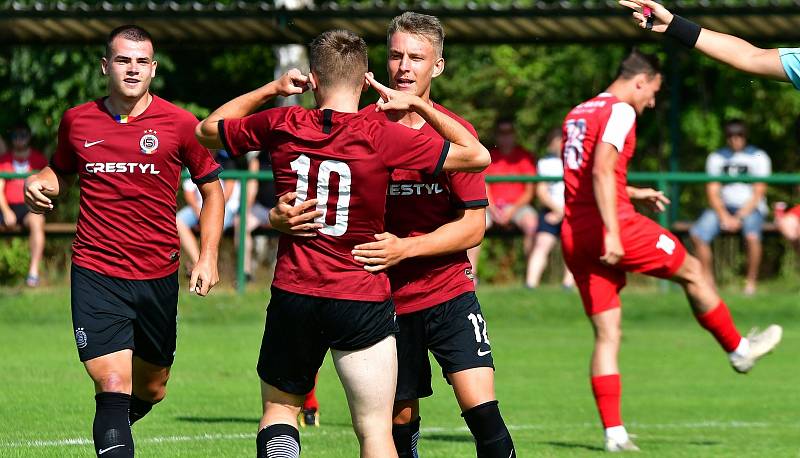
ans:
(660, 180)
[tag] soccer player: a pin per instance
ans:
(430, 222)
(128, 149)
(321, 297)
(778, 63)
(604, 237)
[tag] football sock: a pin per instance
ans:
(607, 391)
(139, 408)
(406, 438)
(310, 402)
(492, 439)
(278, 441)
(111, 431)
(720, 324)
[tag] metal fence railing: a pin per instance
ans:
(661, 180)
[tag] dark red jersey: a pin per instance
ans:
(417, 204)
(601, 119)
(344, 160)
(129, 175)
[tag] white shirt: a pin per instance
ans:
(551, 166)
(751, 162)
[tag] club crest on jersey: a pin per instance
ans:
(149, 142)
(80, 338)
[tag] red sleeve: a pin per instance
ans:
(64, 160)
(251, 133)
(5, 163)
(38, 160)
(528, 165)
(197, 158)
(468, 190)
(404, 148)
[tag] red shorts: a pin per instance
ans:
(649, 249)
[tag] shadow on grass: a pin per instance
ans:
(446, 437)
(575, 445)
(219, 419)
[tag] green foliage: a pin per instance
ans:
(14, 259)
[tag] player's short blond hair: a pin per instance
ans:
(424, 25)
(338, 58)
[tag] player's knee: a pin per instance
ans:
(691, 272)
(404, 412)
(113, 382)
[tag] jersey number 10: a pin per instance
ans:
(302, 165)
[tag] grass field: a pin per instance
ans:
(680, 396)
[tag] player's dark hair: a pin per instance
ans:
(338, 58)
(735, 127)
(424, 25)
(638, 63)
(128, 32)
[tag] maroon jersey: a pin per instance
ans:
(344, 160)
(417, 204)
(129, 175)
(601, 119)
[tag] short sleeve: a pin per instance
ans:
(619, 125)
(763, 165)
(790, 59)
(528, 164)
(468, 190)
(251, 133)
(404, 148)
(64, 160)
(714, 164)
(197, 158)
(550, 167)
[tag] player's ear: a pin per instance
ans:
(104, 66)
(153, 69)
(438, 67)
(312, 80)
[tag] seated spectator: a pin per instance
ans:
(734, 207)
(13, 211)
(510, 203)
(260, 203)
(551, 197)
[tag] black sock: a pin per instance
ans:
(139, 408)
(278, 440)
(405, 439)
(111, 431)
(492, 439)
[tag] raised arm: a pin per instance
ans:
(725, 48)
(291, 83)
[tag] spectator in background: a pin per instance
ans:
(551, 198)
(3, 147)
(265, 247)
(788, 221)
(734, 207)
(13, 211)
(510, 203)
(188, 217)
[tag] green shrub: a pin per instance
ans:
(14, 259)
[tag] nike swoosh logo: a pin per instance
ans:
(484, 353)
(87, 143)
(103, 450)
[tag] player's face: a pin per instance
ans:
(412, 63)
(130, 67)
(647, 87)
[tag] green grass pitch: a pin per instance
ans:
(680, 397)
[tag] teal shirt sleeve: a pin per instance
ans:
(790, 58)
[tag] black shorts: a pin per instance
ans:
(20, 210)
(544, 226)
(454, 331)
(112, 314)
(300, 329)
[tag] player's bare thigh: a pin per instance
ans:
(473, 387)
(111, 372)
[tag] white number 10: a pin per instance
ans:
(302, 165)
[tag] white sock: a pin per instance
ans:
(618, 433)
(742, 349)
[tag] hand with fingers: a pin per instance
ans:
(297, 220)
(613, 249)
(659, 17)
(392, 99)
(204, 276)
(654, 199)
(293, 82)
(387, 251)
(36, 196)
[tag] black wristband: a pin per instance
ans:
(684, 30)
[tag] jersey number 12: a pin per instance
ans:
(302, 165)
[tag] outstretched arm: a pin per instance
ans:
(725, 48)
(207, 131)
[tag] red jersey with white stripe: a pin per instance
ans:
(344, 160)
(601, 119)
(129, 177)
(419, 203)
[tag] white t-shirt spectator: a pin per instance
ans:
(551, 166)
(750, 162)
